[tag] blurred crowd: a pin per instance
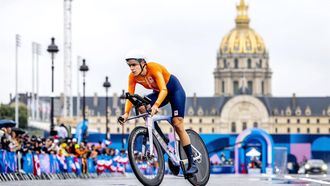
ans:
(16, 140)
(13, 141)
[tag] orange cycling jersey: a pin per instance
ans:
(156, 78)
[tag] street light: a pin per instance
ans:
(52, 49)
(106, 85)
(122, 102)
(84, 68)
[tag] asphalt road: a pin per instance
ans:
(130, 180)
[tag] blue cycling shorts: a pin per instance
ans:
(175, 96)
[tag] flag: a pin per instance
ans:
(36, 163)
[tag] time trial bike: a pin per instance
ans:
(147, 145)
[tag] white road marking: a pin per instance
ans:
(316, 181)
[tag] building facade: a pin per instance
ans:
(242, 60)
(242, 95)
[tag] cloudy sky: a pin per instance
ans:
(183, 35)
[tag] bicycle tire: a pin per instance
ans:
(157, 180)
(203, 174)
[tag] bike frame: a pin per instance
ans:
(174, 156)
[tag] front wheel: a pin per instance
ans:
(203, 164)
(148, 167)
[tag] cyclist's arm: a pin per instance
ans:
(162, 88)
(131, 90)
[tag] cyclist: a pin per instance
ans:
(166, 89)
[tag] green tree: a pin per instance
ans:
(23, 116)
(8, 112)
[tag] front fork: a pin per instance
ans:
(149, 122)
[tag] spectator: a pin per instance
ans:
(14, 145)
(62, 131)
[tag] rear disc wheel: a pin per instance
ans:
(203, 164)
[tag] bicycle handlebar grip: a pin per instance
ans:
(121, 120)
(127, 95)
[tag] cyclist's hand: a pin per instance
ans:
(122, 119)
(154, 110)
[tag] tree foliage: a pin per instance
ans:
(8, 112)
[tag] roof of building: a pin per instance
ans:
(208, 106)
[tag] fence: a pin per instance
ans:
(30, 166)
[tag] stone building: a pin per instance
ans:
(242, 97)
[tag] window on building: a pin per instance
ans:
(223, 87)
(308, 131)
(275, 120)
(118, 129)
(249, 63)
(233, 127)
(288, 120)
(307, 121)
(212, 130)
(276, 130)
(298, 120)
(318, 130)
(200, 130)
(212, 120)
(200, 120)
(225, 63)
(250, 86)
(260, 63)
(262, 87)
(127, 130)
(289, 130)
(255, 125)
(236, 63)
(236, 87)
(190, 120)
(244, 126)
(317, 120)
(298, 130)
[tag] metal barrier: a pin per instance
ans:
(50, 166)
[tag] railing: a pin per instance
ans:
(32, 166)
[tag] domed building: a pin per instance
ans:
(242, 95)
(242, 100)
(242, 60)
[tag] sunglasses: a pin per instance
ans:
(132, 65)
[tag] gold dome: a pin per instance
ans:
(242, 39)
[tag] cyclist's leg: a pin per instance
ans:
(185, 141)
(177, 98)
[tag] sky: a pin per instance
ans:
(182, 35)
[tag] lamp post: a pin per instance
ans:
(52, 49)
(84, 68)
(122, 102)
(106, 85)
(18, 44)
